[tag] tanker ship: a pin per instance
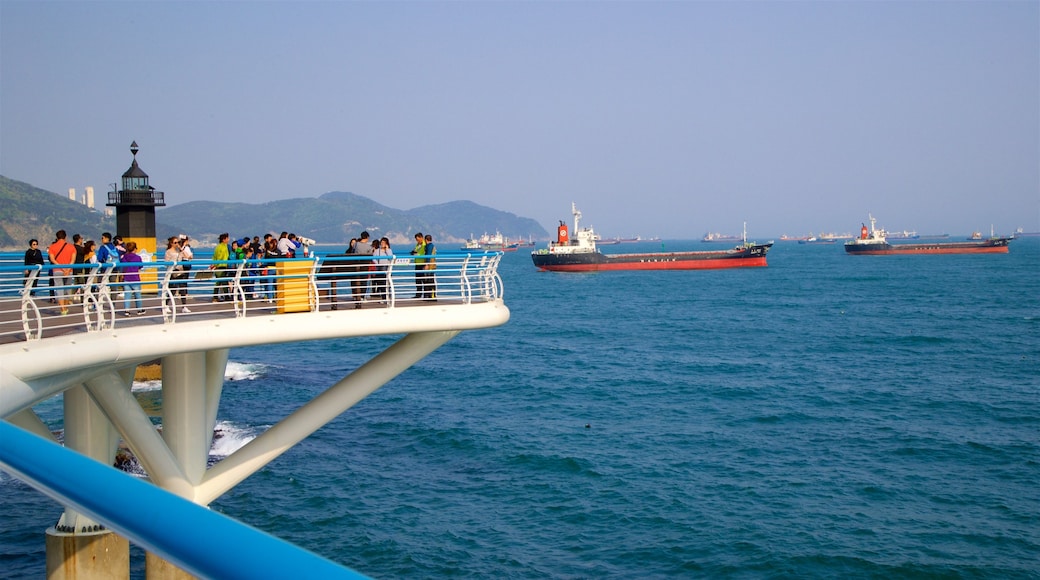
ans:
(873, 242)
(579, 254)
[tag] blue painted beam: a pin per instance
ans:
(197, 539)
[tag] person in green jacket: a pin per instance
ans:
(221, 284)
(420, 263)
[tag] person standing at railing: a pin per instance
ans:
(90, 257)
(359, 282)
(34, 257)
(420, 263)
(108, 253)
(285, 244)
(62, 253)
(179, 278)
(132, 278)
(382, 257)
(271, 252)
(429, 291)
(252, 279)
(186, 256)
(221, 284)
(79, 275)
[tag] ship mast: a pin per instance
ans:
(577, 216)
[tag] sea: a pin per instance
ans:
(826, 416)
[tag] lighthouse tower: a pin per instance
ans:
(135, 206)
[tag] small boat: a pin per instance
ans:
(874, 242)
(580, 254)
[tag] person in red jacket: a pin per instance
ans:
(62, 253)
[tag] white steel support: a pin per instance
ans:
(17, 394)
(187, 428)
(28, 419)
(216, 366)
(341, 396)
(88, 432)
(112, 393)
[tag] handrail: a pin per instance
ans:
(195, 538)
(235, 288)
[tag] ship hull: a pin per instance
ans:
(754, 256)
(994, 246)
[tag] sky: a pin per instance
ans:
(667, 119)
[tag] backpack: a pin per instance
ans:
(110, 255)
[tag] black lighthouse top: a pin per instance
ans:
(136, 191)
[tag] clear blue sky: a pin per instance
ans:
(657, 118)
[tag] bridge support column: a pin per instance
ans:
(78, 548)
(155, 568)
(87, 556)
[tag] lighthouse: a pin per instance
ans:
(135, 206)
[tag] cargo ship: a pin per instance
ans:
(874, 242)
(579, 254)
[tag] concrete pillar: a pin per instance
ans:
(99, 555)
(75, 553)
(155, 568)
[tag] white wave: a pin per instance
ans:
(146, 385)
(244, 371)
(228, 438)
(233, 372)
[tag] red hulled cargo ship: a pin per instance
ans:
(579, 254)
(873, 242)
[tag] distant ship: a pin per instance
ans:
(811, 239)
(581, 255)
(496, 242)
(717, 237)
(873, 242)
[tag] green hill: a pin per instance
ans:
(332, 218)
(29, 212)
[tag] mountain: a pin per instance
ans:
(28, 212)
(332, 218)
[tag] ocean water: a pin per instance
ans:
(829, 415)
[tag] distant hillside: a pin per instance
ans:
(332, 218)
(28, 212)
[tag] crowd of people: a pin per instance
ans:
(368, 277)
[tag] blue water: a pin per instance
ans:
(830, 415)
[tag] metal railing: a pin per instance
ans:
(99, 297)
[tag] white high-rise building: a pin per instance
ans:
(90, 197)
(72, 194)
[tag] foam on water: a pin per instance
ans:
(228, 438)
(235, 371)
